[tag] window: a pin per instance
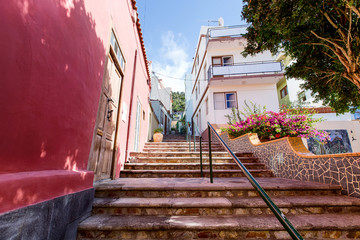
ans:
(225, 100)
(222, 61)
(227, 61)
(196, 93)
(116, 51)
(205, 72)
(283, 92)
(207, 106)
(198, 88)
(216, 61)
(230, 99)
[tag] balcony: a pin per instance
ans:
(231, 31)
(269, 69)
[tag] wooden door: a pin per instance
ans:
(102, 153)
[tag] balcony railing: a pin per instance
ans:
(249, 68)
(231, 31)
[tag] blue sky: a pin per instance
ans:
(171, 29)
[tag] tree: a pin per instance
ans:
(322, 36)
(178, 104)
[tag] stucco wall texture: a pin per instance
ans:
(53, 55)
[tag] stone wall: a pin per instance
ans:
(289, 158)
(55, 219)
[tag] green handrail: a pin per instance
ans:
(201, 162)
(188, 137)
(278, 214)
(210, 156)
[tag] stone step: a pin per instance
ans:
(174, 140)
(194, 166)
(238, 206)
(185, 160)
(169, 144)
(325, 226)
(186, 173)
(179, 149)
(201, 187)
(181, 154)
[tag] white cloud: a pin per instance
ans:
(172, 61)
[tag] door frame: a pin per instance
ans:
(110, 54)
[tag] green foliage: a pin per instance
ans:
(248, 110)
(234, 116)
(178, 104)
(322, 36)
(158, 130)
(252, 109)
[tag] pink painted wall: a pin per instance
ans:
(52, 64)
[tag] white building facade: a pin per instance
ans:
(223, 78)
(161, 102)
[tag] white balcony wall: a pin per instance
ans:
(262, 94)
(251, 68)
(226, 31)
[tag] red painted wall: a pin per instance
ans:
(52, 64)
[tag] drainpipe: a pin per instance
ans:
(130, 107)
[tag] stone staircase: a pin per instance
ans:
(161, 195)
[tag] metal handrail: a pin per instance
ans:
(200, 138)
(188, 136)
(278, 214)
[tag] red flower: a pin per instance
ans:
(277, 135)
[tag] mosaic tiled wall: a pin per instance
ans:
(288, 158)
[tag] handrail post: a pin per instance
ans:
(201, 162)
(194, 142)
(275, 209)
(188, 139)
(190, 144)
(210, 156)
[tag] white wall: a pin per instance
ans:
(334, 117)
(264, 95)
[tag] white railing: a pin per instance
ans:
(231, 31)
(246, 68)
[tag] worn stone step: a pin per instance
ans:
(173, 166)
(225, 206)
(187, 173)
(326, 226)
(178, 154)
(180, 143)
(177, 149)
(191, 159)
(182, 146)
(201, 187)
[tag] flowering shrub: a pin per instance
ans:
(287, 123)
